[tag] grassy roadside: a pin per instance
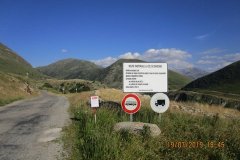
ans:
(9, 100)
(183, 136)
(13, 88)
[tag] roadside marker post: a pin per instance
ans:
(95, 105)
(131, 104)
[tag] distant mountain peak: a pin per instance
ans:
(71, 68)
(192, 72)
(226, 79)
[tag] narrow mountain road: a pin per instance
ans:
(29, 129)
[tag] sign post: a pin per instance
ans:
(131, 104)
(95, 105)
(159, 103)
(131, 118)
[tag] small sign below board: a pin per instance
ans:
(159, 102)
(145, 77)
(131, 103)
(94, 101)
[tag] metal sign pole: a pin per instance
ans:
(160, 117)
(95, 115)
(131, 117)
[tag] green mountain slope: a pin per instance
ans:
(177, 80)
(225, 80)
(71, 69)
(11, 62)
(112, 75)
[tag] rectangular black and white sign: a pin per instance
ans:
(145, 77)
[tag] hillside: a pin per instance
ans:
(112, 75)
(13, 76)
(71, 69)
(176, 80)
(11, 62)
(13, 87)
(192, 72)
(225, 80)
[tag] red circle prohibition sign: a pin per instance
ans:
(134, 96)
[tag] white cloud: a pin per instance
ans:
(213, 51)
(174, 57)
(202, 37)
(179, 64)
(213, 63)
(165, 54)
(105, 62)
(64, 50)
(130, 55)
(201, 61)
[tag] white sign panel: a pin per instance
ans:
(94, 101)
(145, 77)
(159, 102)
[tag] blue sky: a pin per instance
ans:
(200, 33)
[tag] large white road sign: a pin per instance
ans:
(145, 77)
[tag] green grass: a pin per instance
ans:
(86, 140)
(12, 87)
(218, 94)
(10, 100)
(228, 88)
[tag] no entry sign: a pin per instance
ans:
(131, 103)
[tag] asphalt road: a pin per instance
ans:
(30, 129)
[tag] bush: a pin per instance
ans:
(47, 85)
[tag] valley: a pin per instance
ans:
(202, 110)
(119, 80)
